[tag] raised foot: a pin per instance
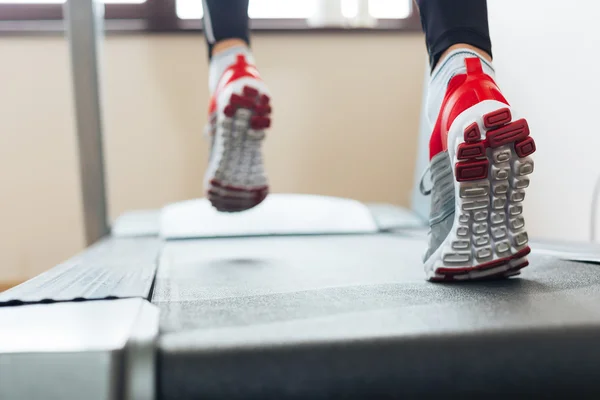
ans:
(488, 239)
(237, 180)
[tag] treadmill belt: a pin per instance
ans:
(352, 316)
(209, 284)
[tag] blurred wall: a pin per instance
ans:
(545, 58)
(345, 124)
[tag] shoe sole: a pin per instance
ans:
(490, 153)
(238, 182)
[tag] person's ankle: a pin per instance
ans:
(452, 63)
(227, 44)
(225, 56)
(463, 46)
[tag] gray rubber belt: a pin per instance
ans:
(353, 317)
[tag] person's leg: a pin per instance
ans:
(451, 25)
(479, 151)
(239, 110)
(226, 24)
(454, 30)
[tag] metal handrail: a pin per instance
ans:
(84, 23)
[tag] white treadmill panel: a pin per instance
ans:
(279, 214)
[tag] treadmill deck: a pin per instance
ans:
(313, 317)
(328, 316)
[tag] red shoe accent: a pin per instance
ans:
(450, 273)
(515, 131)
(218, 184)
(472, 133)
(264, 99)
(212, 105)
(250, 92)
(235, 196)
(226, 198)
(241, 101)
(241, 69)
(470, 150)
(472, 163)
(236, 100)
(258, 122)
(229, 110)
(262, 109)
(464, 91)
(525, 147)
(471, 170)
(497, 118)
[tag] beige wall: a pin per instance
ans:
(345, 124)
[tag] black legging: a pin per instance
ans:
(449, 22)
(445, 23)
(225, 19)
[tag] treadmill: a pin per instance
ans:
(325, 298)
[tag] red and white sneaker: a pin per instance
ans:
(239, 115)
(480, 164)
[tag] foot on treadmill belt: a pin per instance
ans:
(480, 168)
(239, 116)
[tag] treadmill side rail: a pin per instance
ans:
(110, 268)
(93, 350)
(140, 355)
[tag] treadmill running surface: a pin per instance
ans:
(352, 316)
